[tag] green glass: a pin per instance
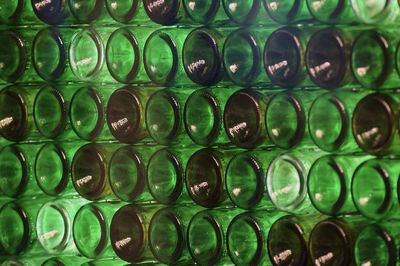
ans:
(329, 183)
(374, 189)
(377, 244)
(202, 56)
(126, 114)
(54, 225)
(23, 261)
(204, 11)
(50, 12)
(107, 262)
(245, 12)
(167, 234)
(166, 175)
(91, 229)
(286, 181)
(126, 11)
(52, 168)
(162, 56)
(244, 118)
(90, 171)
(64, 261)
(374, 59)
(375, 123)
(164, 116)
(332, 11)
(245, 179)
(332, 240)
(329, 120)
(283, 56)
(204, 176)
(242, 56)
(207, 236)
(168, 12)
(17, 12)
(88, 113)
(291, 107)
(328, 58)
(287, 12)
(129, 232)
(376, 12)
(87, 11)
(16, 170)
(127, 173)
(203, 116)
(247, 237)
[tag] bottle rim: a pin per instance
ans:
(13, 18)
(23, 55)
(167, 17)
(177, 164)
(55, 17)
(249, 17)
(127, 17)
(86, 18)
(333, 16)
(290, 15)
(252, 222)
(208, 17)
(59, 70)
(212, 101)
(18, 152)
(371, 19)
(100, 218)
(65, 169)
(169, 78)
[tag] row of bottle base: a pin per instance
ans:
(204, 56)
(296, 181)
(175, 12)
(182, 235)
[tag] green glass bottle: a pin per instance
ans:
(242, 56)
(127, 173)
(64, 261)
(50, 12)
(245, 179)
(203, 115)
(284, 54)
(286, 181)
(291, 107)
(245, 12)
(376, 12)
(166, 175)
(332, 11)
(204, 12)
(164, 116)
(52, 168)
(94, 243)
(377, 244)
(329, 183)
(127, 12)
(329, 120)
(164, 12)
(375, 121)
(207, 236)
(204, 177)
(16, 170)
(167, 234)
(374, 189)
(287, 12)
(247, 237)
(23, 261)
(17, 12)
(54, 225)
(89, 171)
(202, 56)
(373, 59)
(328, 58)
(88, 113)
(129, 232)
(87, 11)
(108, 262)
(332, 240)
(126, 113)
(162, 56)
(244, 118)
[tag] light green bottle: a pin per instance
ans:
(127, 12)
(332, 11)
(64, 261)
(204, 11)
(287, 12)
(245, 12)
(376, 12)
(17, 12)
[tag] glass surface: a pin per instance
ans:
(13, 56)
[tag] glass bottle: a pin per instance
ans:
(50, 12)
(64, 261)
(244, 118)
(94, 243)
(376, 12)
(162, 56)
(203, 115)
(164, 116)
(164, 12)
(87, 11)
(329, 120)
(126, 12)
(17, 12)
(329, 183)
(89, 171)
(287, 12)
(202, 56)
(374, 188)
(166, 175)
(204, 11)
(332, 11)
(246, 12)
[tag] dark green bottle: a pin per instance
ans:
(166, 175)
(164, 12)
(245, 12)
(287, 12)
(329, 120)
(17, 12)
(332, 12)
(375, 189)
(207, 236)
(329, 183)
(204, 11)
(244, 118)
(375, 123)
(50, 12)
(203, 115)
(127, 12)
